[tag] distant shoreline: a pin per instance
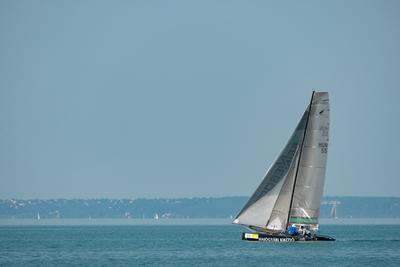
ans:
(183, 208)
(177, 222)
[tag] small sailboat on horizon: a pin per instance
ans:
(290, 194)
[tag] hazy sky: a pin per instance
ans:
(192, 98)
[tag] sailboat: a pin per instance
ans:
(290, 193)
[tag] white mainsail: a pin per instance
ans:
(310, 180)
(292, 188)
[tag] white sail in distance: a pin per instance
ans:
(292, 188)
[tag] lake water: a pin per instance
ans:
(187, 243)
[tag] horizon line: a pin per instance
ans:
(171, 198)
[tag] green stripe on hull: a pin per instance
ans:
(301, 220)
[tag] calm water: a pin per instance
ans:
(185, 245)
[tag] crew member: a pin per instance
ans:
(305, 232)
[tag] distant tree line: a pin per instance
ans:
(222, 207)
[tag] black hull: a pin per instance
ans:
(283, 238)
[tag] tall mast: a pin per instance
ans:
(298, 163)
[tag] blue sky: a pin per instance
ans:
(192, 98)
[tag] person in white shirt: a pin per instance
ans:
(305, 232)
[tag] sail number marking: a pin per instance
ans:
(324, 147)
